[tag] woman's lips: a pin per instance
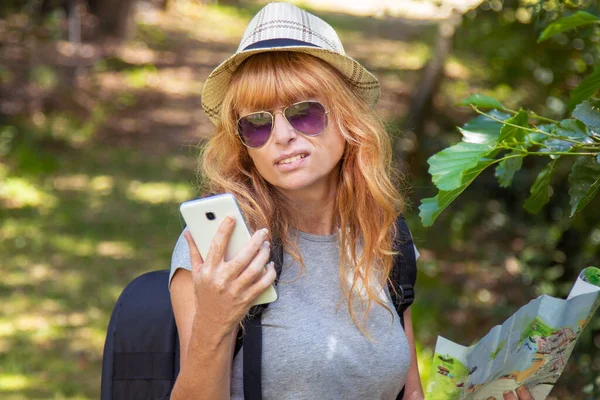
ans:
(295, 163)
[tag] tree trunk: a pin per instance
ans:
(115, 17)
(432, 75)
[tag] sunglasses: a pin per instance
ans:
(307, 117)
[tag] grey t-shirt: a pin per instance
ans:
(311, 347)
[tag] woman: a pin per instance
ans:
(299, 145)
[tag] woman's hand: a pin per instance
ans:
(225, 290)
(522, 393)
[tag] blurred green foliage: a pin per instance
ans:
(546, 251)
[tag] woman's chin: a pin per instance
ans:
(301, 184)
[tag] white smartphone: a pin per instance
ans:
(203, 218)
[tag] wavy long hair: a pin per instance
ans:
(367, 199)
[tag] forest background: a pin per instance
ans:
(100, 121)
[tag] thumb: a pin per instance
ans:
(195, 257)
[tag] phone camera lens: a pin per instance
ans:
(210, 216)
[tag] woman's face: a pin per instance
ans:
(295, 163)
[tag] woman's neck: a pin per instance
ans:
(314, 211)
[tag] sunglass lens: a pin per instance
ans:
(308, 117)
(255, 129)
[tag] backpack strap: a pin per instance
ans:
(404, 273)
(252, 337)
(404, 269)
(252, 360)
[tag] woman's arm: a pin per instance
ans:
(205, 361)
(413, 389)
(209, 302)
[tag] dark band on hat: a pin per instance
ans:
(272, 43)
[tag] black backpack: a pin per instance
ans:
(141, 352)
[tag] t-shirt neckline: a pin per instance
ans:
(319, 238)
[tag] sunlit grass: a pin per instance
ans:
(158, 192)
(13, 382)
(34, 274)
(151, 34)
(18, 192)
(6, 75)
(114, 216)
(73, 245)
(64, 126)
(115, 249)
(99, 185)
(391, 54)
(44, 76)
(141, 77)
(209, 23)
(181, 81)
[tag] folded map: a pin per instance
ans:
(530, 348)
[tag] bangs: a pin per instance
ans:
(268, 80)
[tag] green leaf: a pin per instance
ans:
(506, 169)
(449, 165)
(588, 112)
(545, 128)
(567, 129)
(556, 145)
(507, 133)
(432, 207)
(578, 19)
(482, 129)
(572, 129)
(481, 101)
(537, 137)
(584, 182)
(539, 194)
(587, 88)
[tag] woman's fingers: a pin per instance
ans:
(256, 267)
(241, 261)
(239, 280)
(266, 280)
(218, 246)
(524, 393)
(195, 257)
(509, 395)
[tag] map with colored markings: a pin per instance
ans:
(530, 348)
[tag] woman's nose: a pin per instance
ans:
(283, 132)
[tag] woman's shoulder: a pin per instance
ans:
(180, 257)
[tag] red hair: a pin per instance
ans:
(368, 202)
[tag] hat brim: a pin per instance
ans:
(362, 81)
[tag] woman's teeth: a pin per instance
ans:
(291, 159)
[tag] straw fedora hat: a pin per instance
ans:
(285, 27)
